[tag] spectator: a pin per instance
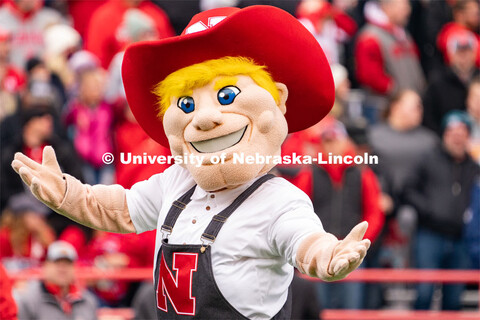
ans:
(342, 92)
(330, 26)
(61, 41)
(108, 251)
(386, 57)
(473, 109)
(401, 142)
(447, 89)
(78, 237)
(348, 104)
(44, 84)
(136, 26)
(102, 37)
(57, 296)
(36, 132)
(8, 308)
(92, 120)
(466, 17)
(303, 142)
(342, 195)
(12, 79)
(81, 61)
(26, 20)
(37, 94)
(440, 192)
(24, 234)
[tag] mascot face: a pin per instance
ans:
(230, 114)
(214, 90)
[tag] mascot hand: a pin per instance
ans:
(323, 256)
(349, 252)
(100, 207)
(44, 180)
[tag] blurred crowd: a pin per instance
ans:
(407, 83)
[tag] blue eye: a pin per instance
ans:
(186, 104)
(226, 95)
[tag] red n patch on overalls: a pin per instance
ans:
(178, 288)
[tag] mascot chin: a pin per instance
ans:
(229, 234)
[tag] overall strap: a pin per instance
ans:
(177, 207)
(212, 230)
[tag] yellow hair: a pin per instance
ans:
(182, 82)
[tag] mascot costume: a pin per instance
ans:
(228, 235)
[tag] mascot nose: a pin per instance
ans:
(207, 119)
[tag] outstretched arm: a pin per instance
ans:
(100, 207)
(322, 256)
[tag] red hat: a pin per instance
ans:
(268, 35)
(461, 39)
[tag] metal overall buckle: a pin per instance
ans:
(207, 240)
(166, 231)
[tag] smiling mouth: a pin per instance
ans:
(219, 143)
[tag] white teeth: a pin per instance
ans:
(220, 143)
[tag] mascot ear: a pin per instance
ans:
(283, 92)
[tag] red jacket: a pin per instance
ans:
(106, 19)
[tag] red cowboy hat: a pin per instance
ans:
(268, 35)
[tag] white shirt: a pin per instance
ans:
(253, 255)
